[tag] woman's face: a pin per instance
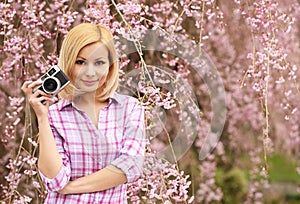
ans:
(91, 67)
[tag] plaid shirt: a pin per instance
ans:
(119, 141)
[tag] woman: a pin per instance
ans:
(92, 140)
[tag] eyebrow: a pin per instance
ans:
(95, 59)
(81, 57)
(99, 58)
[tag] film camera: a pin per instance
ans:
(54, 80)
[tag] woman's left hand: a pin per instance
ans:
(66, 189)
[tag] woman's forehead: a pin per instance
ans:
(94, 50)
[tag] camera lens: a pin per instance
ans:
(50, 85)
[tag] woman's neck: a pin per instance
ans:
(87, 98)
(90, 105)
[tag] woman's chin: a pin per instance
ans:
(84, 91)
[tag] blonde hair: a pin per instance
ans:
(78, 37)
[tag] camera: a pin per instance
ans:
(54, 80)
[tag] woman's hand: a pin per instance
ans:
(66, 189)
(35, 99)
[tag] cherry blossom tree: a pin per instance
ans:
(218, 80)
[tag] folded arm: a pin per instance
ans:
(101, 180)
(125, 168)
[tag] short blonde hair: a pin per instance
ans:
(78, 37)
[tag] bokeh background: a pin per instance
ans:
(254, 46)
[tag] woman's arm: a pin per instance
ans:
(101, 180)
(125, 168)
(50, 161)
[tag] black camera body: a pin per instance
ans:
(54, 80)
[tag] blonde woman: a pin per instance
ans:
(91, 142)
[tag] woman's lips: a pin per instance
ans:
(89, 82)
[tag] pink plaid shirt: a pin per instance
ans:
(119, 141)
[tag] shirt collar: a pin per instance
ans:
(114, 98)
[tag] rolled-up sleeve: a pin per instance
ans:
(62, 178)
(131, 157)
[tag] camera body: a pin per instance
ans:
(54, 80)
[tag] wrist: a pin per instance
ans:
(79, 185)
(71, 188)
(66, 190)
(42, 119)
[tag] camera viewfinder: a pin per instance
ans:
(52, 71)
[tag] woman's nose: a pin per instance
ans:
(90, 71)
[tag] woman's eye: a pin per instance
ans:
(100, 62)
(80, 62)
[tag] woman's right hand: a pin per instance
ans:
(35, 99)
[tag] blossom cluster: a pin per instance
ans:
(13, 119)
(208, 191)
(248, 43)
(160, 182)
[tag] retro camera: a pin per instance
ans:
(54, 80)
